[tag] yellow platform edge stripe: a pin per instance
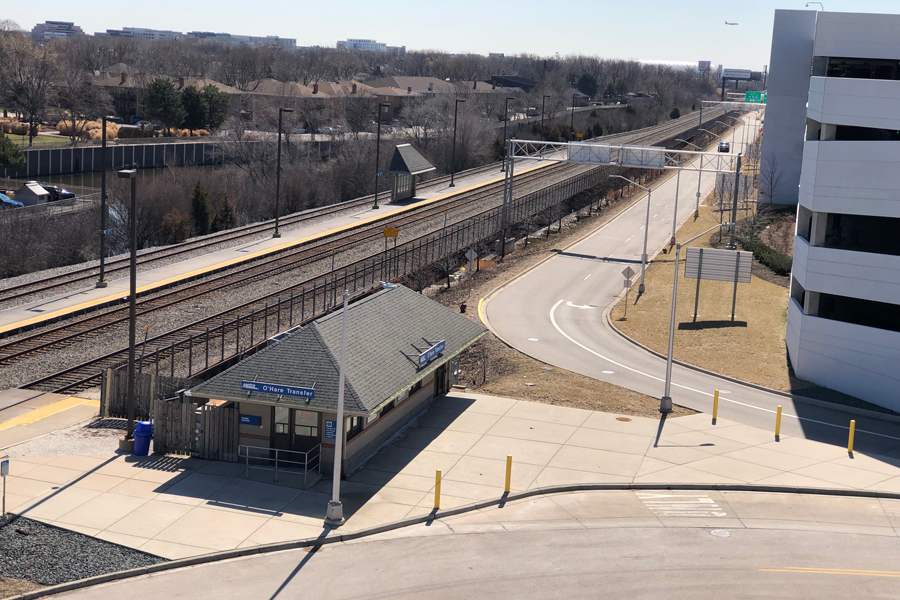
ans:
(257, 254)
(48, 411)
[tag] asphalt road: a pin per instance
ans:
(595, 563)
(555, 313)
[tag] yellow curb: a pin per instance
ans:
(254, 255)
(48, 411)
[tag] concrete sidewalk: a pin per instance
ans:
(177, 507)
(27, 414)
(49, 308)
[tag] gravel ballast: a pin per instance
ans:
(40, 553)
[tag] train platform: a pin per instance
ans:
(52, 308)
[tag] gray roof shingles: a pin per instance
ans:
(407, 161)
(380, 329)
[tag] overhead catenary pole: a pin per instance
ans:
(543, 99)
(277, 233)
(335, 513)
(101, 282)
(675, 212)
(572, 126)
(453, 153)
(505, 138)
(507, 197)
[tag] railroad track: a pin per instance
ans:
(80, 376)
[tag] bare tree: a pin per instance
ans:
(80, 99)
(769, 179)
(29, 75)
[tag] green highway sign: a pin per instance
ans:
(755, 97)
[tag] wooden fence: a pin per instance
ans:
(219, 432)
(148, 388)
(173, 426)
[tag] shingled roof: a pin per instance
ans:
(382, 330)
(406, 161)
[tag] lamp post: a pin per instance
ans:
(699, 175)
(334, 515)
(572, 126)
(505, 121)
(543, 99)
(641, 287)
(453, 154)
(734, 202)
(132, 305)
(733, 128)
(378, 152)
(665, 403)
(101, 282)
(277, 233)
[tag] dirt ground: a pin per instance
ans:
(751, 348)
(500, 370)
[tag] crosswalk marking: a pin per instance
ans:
(681, 505)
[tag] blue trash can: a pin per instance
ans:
(143, 433)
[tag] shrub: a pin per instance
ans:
(779, 262)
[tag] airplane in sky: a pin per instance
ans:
(727, 23)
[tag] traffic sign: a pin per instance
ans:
(391, 232)
(330, 430)
(471, 254)
(628, 273)
(627, 285)
(755, 97)
(4, 467)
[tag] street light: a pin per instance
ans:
(101, 282)
(542, 116)
(132, 305)
(453, 155)
(699, 178)
(505, 121)
(665, 403)
(715, 135)
(334, 515)
(281, 111)
(641, 287)
(378, 152)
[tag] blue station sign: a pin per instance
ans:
(278, 390)
(430, 354)
(253, 420)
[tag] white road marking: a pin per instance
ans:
(628, 240)
(586, 278)
(534, 339)
(681, 505)
(684, 387)
(608, 372)
(579, 306)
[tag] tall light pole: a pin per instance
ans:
(699, 175)
(132, 302)
(572, 126)
(101, 282)
(453, 154)
(544, 99)
(378, 152)
(665, 403)
(334, 515)
(734, 202)
(641, 287)
(505, 121)
(277, 233)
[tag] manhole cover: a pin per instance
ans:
(623, 419)
(720, 533)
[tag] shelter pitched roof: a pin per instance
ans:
(385, 333)
(407, 161)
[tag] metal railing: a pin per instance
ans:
(307, 461)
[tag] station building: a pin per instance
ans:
(402, 352)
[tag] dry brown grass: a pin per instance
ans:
(753, 350)
(14, 587)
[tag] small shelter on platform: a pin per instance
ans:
(402, 352)
(406, 164)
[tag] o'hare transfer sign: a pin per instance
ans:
(278, 390)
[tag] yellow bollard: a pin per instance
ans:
(715, 407)
(850, 441)
(778, 423)
(437, 489)
(508, 473)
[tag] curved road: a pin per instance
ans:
(556, 314)
(593, 563)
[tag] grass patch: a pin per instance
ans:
(752, 350)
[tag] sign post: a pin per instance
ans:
(471, 255)
(4, 471)
(628, 273)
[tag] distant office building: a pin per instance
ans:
(843, 321)
(52, 30)
(369, 46)
(496, 55)
(244, 40)
(143, 34)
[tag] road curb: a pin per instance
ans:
(437, 515)
(794, 397)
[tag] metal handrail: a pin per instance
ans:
(311, 456)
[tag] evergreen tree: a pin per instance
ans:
(11, 156)
(675, 113)
(162, 102)
(226, 217)
(216, 103)
(587, 85)
(196, 113)
(201, 210)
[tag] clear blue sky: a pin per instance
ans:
(689, 30)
